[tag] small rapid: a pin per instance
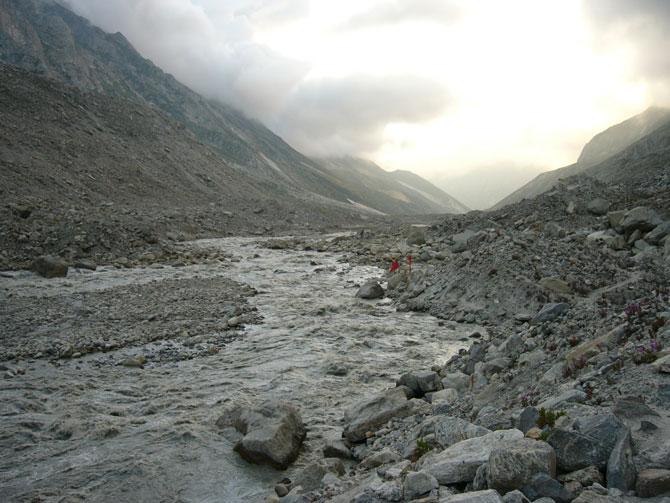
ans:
(85, 430)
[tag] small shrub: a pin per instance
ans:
(422, 447)
(544, 436)
(548, 418)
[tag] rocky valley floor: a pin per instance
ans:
(523, 357)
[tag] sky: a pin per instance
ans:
(444, 88)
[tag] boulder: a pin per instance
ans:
(462, 240)
(652, 482)
(370, 290)
(273, 433)
(542, 485)
(589, 444)
(598, 206)
(585, 477)
(565, 398)
(515, 496)
(615, 218)
(513, 466)
(609, 238)
(640, 218)
(370, 414)
(658, 233)
(550, 312)
(49, 267)
(488, 496)
(448, 430)
(336, 448)
(421, 382)
(383, 457)
(621, 470)
(416, 236)
(457, 380)
(459, 463)
(417, 484)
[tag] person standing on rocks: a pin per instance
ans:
(394, 265)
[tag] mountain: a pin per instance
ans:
(483, 186)
(599, 149)
(43, 36)
(396, 192)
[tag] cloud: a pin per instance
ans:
(348, 115)
(644, 25)
(402, 11)
(211, 46)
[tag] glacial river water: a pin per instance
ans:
(81, 431)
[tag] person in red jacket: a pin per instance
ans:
(394, 265)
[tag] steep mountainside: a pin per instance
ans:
(597, 151)
(399, 192)
(44, 37)
(89, 175)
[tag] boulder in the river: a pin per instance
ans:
(273, 432)
(370, 290)
(49, 267)
(421, 382)
(371, 413)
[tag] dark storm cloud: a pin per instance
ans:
(339, 116)
(402, 11)
(643, 23)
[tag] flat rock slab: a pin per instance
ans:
(273, 433)
(373, 412)
(459, 463)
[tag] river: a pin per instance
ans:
(80, 430)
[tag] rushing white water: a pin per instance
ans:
(83, 430)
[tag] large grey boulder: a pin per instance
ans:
(459, 463)
(513, 466)
(598, 206)
(640, 218)
(550, 312)
(621, 470)
(589, 444)
(273, 433)
(488, 496)
(373, 412)
(417, 484)
(49, 267)
(370, 290)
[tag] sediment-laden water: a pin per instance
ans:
(86, 429)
